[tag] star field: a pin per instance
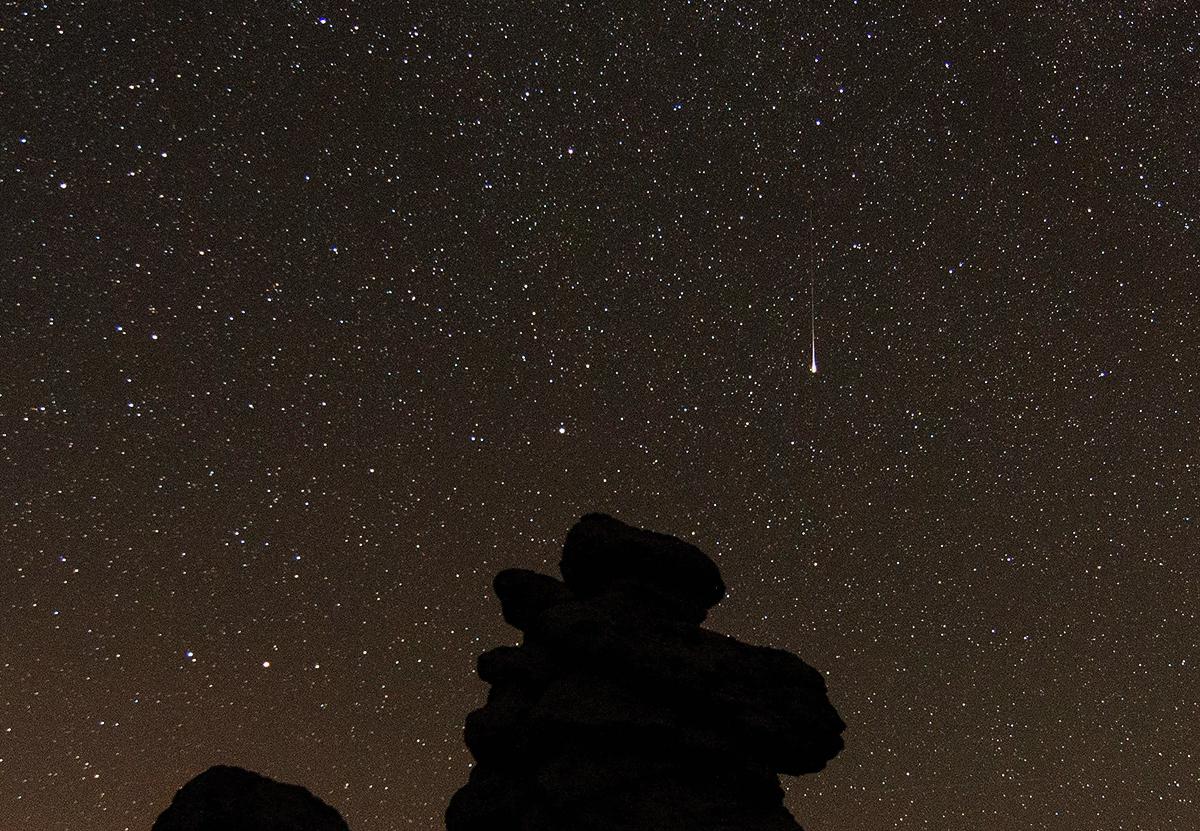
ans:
(316, 315)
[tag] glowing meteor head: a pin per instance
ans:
(813, 367)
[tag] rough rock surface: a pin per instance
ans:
(232, 799)
(618, 712)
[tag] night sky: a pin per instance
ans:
(315, 316)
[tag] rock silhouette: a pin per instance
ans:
(618, 712)
(232, 799)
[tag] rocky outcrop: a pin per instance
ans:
(232, 799)
(619, 712)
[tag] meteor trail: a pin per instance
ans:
(812, 299)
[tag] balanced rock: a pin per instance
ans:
(602, 554)
(619, 712)
(226, 798)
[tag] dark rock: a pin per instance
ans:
(601, 554)
(765, 700)
(490, 801)
(526, 594)
(232, 799)
(497, 731)
(523, 665)
(619, 712)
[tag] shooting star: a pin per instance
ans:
(812, 306)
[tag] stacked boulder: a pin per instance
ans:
(618, 712)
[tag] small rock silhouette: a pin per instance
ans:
(618, 712)
(232, 799)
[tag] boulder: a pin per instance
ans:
(602, 554)
(226, 798)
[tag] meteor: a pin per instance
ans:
(812, 306)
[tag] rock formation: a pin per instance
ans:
(618, 712)
(231, 799)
